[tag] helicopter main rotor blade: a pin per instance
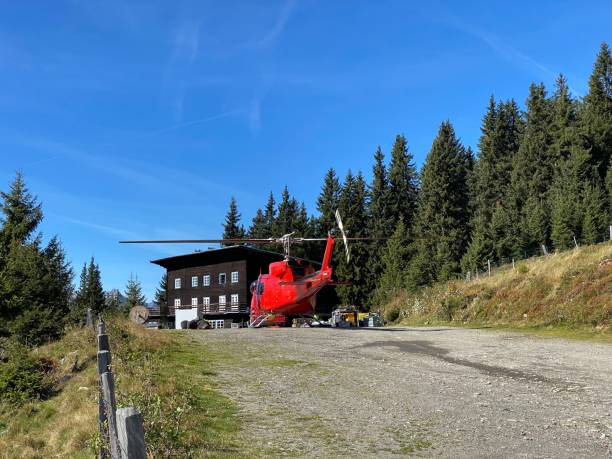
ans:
(344, 238)
(200, 241)
(296, 240)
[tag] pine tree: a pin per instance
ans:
(403, 182)
(133, 294)
(161, 297)
(441, 219)
(395, 259)
(327, 203)
(232, 229)
(597, 113)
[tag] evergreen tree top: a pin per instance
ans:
(22, 212)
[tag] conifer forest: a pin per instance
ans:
(540, 181)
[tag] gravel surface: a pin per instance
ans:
(423, 392)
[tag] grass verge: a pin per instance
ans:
(567, 294)
(164, 374)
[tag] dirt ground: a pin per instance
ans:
(423, 392)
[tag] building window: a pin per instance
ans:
(234, 277)
(222, 278)
(206, 280)
(177, 302)
(194, 281)
(177, 282)
(217, 323)
(206, 301)
(234, 299)
(222, 300)
(194, 302)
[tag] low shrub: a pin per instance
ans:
(392, 315)
(23, 377)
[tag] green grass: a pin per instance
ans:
(170, 378)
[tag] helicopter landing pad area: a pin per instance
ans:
(425, 392)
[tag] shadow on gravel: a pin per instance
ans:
(426, 348)
(394, 329)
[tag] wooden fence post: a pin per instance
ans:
(131, 433)
(611, 232)
(104, 362)
(489, 267)
(89, 322)
(108, 391)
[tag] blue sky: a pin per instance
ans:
(141, 119)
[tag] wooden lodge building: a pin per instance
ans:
(214, 284)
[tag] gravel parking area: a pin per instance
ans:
(423, 392)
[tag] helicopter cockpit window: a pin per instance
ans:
(252, 286)
(260, 289)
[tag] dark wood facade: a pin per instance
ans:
(238, 266)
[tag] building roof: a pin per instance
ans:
(221, 255)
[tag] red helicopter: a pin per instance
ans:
(290, 287)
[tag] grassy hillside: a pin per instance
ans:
(184, 414)
(568, 290)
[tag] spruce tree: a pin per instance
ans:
(161, 298)
(259, 228)
(609, 190)
(403, 182)
(287, 214)
(533, 172)
(380, 217)
(394, 259)
(35, 281)
(573, 171)
(353, 210)
(232, 229)
(90, 293)
(499, 141)
(597, 113)
(595, 215)
(440, 228)
(327, 203)
(133, 294)
(22, 214)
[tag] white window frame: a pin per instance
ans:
(206, 301)
(194, 302)
(234, 299)
(206, 280)
(177, 302)
(224, 278)
(194, 281)
(222, 300)
(234, 277)
(177, 283)
(218, 323)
